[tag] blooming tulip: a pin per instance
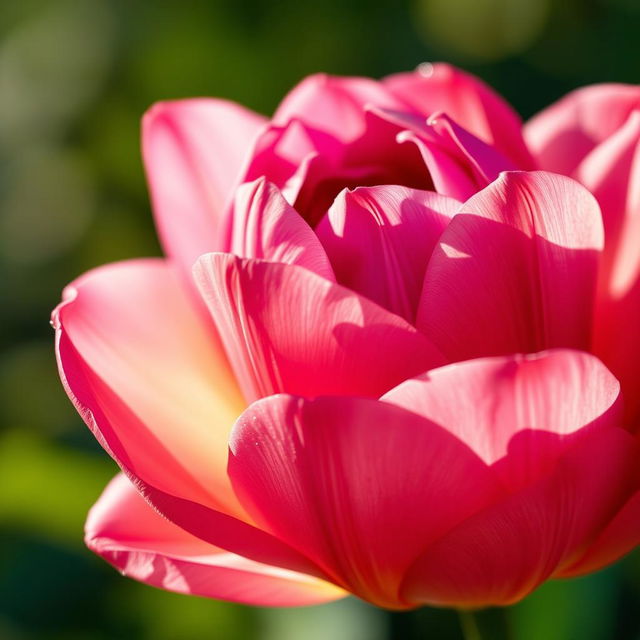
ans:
(321, 390)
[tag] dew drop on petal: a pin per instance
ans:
(425, 69)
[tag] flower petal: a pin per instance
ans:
(334, 104)
(468, 100)
(620, 536)
(143, 372)
(266, 226)
(564, 133)
(288, 330)
(324, 476)
(133, 537)
(612, 173)
(499, 555)
(193, 153)
(519, 412)
(515, 271)
(379, 240)
(617, 341)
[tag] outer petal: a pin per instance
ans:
(379, 240)
(128, 533)
(519, 412)
(617, 342)
(501, 554)
(516, 270)
(288, 330)
(139, 365)
(619, 537)
(564, 133)
(469, 101)
(266, 226)
(612, 173)
(359, 485)
(193, 153)
(548, 426)
(334, 104)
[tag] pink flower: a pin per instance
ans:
(317, 388)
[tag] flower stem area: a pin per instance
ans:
(489, 624)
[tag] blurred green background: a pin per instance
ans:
(75, 77)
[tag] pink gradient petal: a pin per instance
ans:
(459, 163)
(134, 538)
(620, 536)
(515, 271)
(485, 161)
(379, 240)
(450, 177)
(288, 330)
(266, 226)
(526, 410)
(193, 153)
(140, 368)
(375, 158)
(564, 133)
(280, 150)
(612, 173)
(617, 342)
(501, 554)
(334, 104)
(324, 476)
(469, 101)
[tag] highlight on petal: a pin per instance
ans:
(334, 104)
(466, 99)
(612, 173)
(548, 426)
(140, 543)
(561, 135)
(324, 476)
(286, 329)
(379, 240)
(515, 270)
(519, 413)
(141, 367)
(266, 226)
(193, 153)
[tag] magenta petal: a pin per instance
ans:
(469, 101)
(132, 536)
(564, 133)
(501, 554)
(612, 173)
(193, 153)
(450, 176)
(288, 330)
(515, 271)
(266, 226)
(485, 161)
(519, 412)
(334, 104)
(324, 476)
(620, 536)
(379, 240)
(280, 150)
